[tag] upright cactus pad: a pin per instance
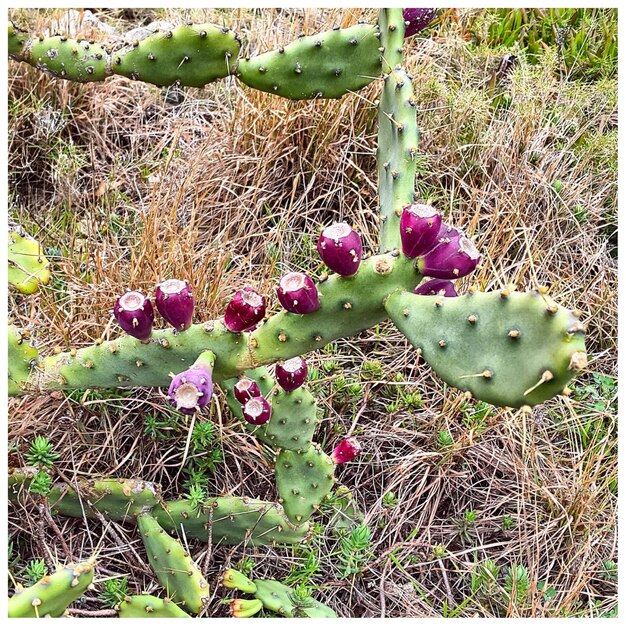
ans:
(149, 606)
(17, 41)
(190, 55)
(509, 349)
(398, 139)
(391, 25)
(52, 594)
(28, 267)
(303, 479)
(22, 357)
(173, 566)
(234, 521)
(326, 65)
(278, 598)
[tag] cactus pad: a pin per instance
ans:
(17, 41)
(149, 606)
(28, 267)
(278, 598)
(52, 594)
(22, 356)
(509, 349)
(191, 56)
(303, 479)
(326, 65)
(392, 27)
(173, 566)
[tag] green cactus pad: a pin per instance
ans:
(73, 59)
(234, 521)
(277, 597)
(22, 356)
(173, 566)
(233, 579)
(294, 413)
(509, 349)
(149, 606)
(191, 56)
(326, 65)
(17, 41)
(28, 267)
(303, 480)
(398, 139)
(391, 25)
(52, 594)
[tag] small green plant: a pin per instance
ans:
(197, 497)
(307, 568)
(466, 525)
(157, 428)
(114, 591)
(203, 436)
(355, 550)
(507, 523)
(330, 366)
(390, 500)
(41, 483)
(439, 551)
(444, 440)
(372, 370)
(35, 570)
(609, 570)
(302, 598)
(516, 584)
(41, 453)
(245, 566)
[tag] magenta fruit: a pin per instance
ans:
(134, 313)
(192, 389)
(246, 388)
(174, 302)
(245, 310)
(436, 287)
(417, 20)
(257, 411)
(339, 246)
(291, 374)
(454, 256)
(347, 450)
(298, 293)
(419, 229)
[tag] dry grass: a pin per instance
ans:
(228, 188)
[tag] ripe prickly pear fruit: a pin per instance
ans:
(291, 374)
(245, 310)
(454, 256)
(192, 389)
(339, 246)
(174, 302)
(347, 450)
(245, 389)
(245, 608)
(417, 20)
(419, 229)
(134, 313)
(257, 411)
(233, 579)
(298, 293)
(437, 287)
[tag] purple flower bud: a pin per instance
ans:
(134, 313)
(419, 229)
(436, 287)
(245, 310)
(257, 411)
(340, 248)
(292, 373)
(174, 301)
(454, 256)
(246, 388)
(417, 20)
(192, 389)
(347, 450)
(298, 293)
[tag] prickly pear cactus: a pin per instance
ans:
(28, 267)
(149, 606)
(22, 357)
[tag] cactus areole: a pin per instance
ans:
(298, 293)
(134, 313)
(174, 302)
(339, 246)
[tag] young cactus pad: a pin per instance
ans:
(507, 348)
(191, 56)
(149, 606)
(303, 479)
(52, 594)
(173, 566)
(28, 267)
(326, 65)
(277, 597)
(21, 358)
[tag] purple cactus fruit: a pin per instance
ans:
(257, 411)
(192, 389)
(246, 388)
(417, 20)
(134, 313)
(292, 373)
(453, 257)
(347, 450)
(339, 246)
(174, 302)
(245, 310)
(419, 229)
(436, 287)
(298, 293)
